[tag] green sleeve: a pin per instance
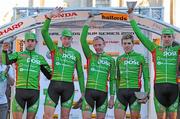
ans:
(80, 73)
(45, 68)
(3, 57)
(146, 75)
(112, 78)
(117, 74)
(45, 34)
(87, 51)
(9, 58)
(145, 40)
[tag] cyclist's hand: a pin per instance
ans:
(130, 10)
(91, 16)
(54, 12)
(6, 46)
(131, 6)
(130, 13)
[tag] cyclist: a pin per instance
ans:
(100, 66)
(64, 60)
(165, 65)
(130, 67)
(28, 67)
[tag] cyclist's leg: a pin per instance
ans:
(32, 104)
(88, 104)
(101, 105)
(135, 106)
(160, 101)
(51, 100)
(67, 99)
(174, 101)
(18, 104)
(121, 104)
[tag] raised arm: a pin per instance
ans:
(144, 39)
(87, 51)
(9, 58)
(45, 29)
(46, 36)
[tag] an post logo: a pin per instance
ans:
(35, 61)
(104, 62)
(169, 53)
(69, 56)
(131, 62)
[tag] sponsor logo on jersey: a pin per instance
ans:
(132, 61)
(169, 53)
(35, 61)
(103, 62)
(69, 56)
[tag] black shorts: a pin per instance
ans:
(127, 96)
(60, 88)
(30, 96)
(92, 95)
(166, 93)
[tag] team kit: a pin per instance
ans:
(124, 74)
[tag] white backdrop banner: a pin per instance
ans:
(31, 22)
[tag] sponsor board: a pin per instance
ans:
(11, 28)
(79, 15)
(157, 41)
(19, 45)
(114, 16)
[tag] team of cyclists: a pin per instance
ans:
(123, 74)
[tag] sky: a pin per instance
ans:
(6, 10)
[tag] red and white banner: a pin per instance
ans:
(80, 15)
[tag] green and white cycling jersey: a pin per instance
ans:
(28, 66)
(130, 67)
(64, 60)
(100, 66)
(164, 58)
